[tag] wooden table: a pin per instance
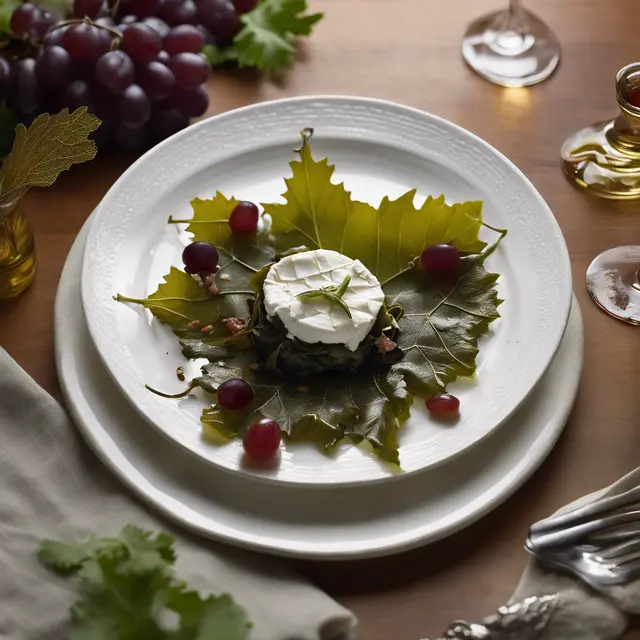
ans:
(409, 51)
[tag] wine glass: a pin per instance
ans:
(613, 281)
(511, 47)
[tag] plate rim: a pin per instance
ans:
(546, 440)
(565, 276)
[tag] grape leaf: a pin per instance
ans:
(51, 145)
(127, 585)
(7, 7)
(322, 215)
(265, 40)
(440, 327)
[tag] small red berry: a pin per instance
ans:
(235, 393)
(440, 259)
(244, 218)
(262, 439)
(443, 404)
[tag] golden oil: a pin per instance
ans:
(17, 250)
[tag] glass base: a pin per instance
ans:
(512, 49)
(613, 281)
(591, 162)
(15, 279)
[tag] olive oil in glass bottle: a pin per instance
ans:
(17, 249)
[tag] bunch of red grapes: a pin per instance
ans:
(137, 64)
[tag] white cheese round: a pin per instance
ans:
(318, 320)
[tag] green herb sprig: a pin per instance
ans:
(331, 293)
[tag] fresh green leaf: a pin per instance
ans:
(7, 7)
(322, 215)
(8, 123)
(128, 588)
(217, 56)
(266, 39)
(51, 145)
(439, 330)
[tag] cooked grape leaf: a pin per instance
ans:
(322, 215)
(51, 145)
(266, 38)
(127, 586)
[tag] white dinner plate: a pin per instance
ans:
(302, 521)
(379, 148)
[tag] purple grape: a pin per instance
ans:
(244, 6)
(156, 80)
(175, 12)
(190, 103)
(144, 8)
(6, 76)
(28, 93)
(54, 37)
(134, 107)
(86, 8)
(85, 42)
(106, 21)
(220, 17)
(206, 34)
(127, 20)
(77, 94)
(105, 103)
(115, 71)
(141, 42)
(184, 38)
(200, 257)
(54, 68)
(235, 393)
(45, 22)
(163, 57)
(165, 121)
(24, 18)
(158, 25)
(130, 138)
(190, 70)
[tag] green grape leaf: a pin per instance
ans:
(51, 145)
(7, 7)
(440, 327)
(322, 215)
(217, 56)
(266, 38)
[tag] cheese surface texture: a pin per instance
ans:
(317, 320)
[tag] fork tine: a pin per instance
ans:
(580, 514)
(580, 531)
(620, 550)
(616, 534)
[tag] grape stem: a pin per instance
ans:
(85, 20)
(193, 385)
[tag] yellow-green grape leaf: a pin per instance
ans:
(439, 330)
(51, 145)
(180, 302)
(322, 215)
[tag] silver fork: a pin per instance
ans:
(599, 542)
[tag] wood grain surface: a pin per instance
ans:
(409, 51)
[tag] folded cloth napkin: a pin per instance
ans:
(582, 612)
(52, 486)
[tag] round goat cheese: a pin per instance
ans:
(317, 319)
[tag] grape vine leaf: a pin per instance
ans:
(322, 215)
(265, 40)
(51, 145)
(127, 586)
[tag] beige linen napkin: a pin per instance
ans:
(52, 486)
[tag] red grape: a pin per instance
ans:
(77, 94)
(53, 67)
(244, 218)
(24, 18)
(134, 107)
(106, 21)
(190, 70)
(159, 26)
(144, 8)
(220, 17)
(234, 394)
(440, 259)
(244, 6)
(141, 42)
(175, 12)
(42, 25)
(200, 257)
(28, 93)
(163, 57)
(156, 80)
(55, 37)
(184, 38)
(165, 121)
(127, 20)
(191, 103)
(443, 404)
(86, 8)
(130, 138)
(84, 42)
(115, 71)
(262, 439)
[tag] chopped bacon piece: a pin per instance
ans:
(385, 344)
(234, 325)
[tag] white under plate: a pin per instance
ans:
(379, 148)
(309, 522)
